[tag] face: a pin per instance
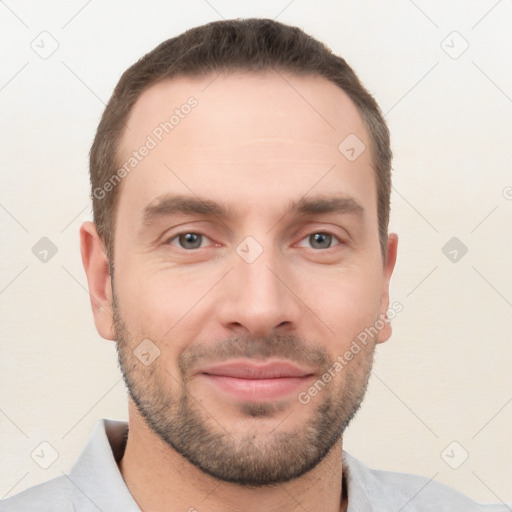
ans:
(247, 261)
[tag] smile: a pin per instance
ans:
(257, 383)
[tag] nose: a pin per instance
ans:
(258, 298)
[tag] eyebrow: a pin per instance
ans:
(327, 204)
(169, 204)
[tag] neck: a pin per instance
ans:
(160, 479)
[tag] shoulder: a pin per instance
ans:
(94, 482)
(387, 490)
(51, 496)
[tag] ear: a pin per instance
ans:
(96, 268)
(389, 265)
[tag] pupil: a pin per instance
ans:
(321, 240)
(190, 240)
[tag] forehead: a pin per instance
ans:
(249, 105)
(242, 135)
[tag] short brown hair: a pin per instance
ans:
(251, 45)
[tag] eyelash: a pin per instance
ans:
(328, 233)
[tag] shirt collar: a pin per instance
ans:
(357, 476)
(95, 478)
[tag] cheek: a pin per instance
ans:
(347, 303)
(162, 302)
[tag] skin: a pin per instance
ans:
(253, 144)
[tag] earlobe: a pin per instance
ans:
(96, 266)
(389, 265)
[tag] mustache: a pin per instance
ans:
(292, 348)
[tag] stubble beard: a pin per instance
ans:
(255, 458)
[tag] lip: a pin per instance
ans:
(250, 370)
(257, 382)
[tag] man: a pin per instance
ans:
(240, 258)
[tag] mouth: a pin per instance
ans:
(252, 382)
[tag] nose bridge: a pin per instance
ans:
(259, 284)
(257, 298)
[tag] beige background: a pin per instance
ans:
(445, 374)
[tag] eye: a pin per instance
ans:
(188, 240)
(320, 240)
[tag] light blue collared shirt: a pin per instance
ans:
(96, 484)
